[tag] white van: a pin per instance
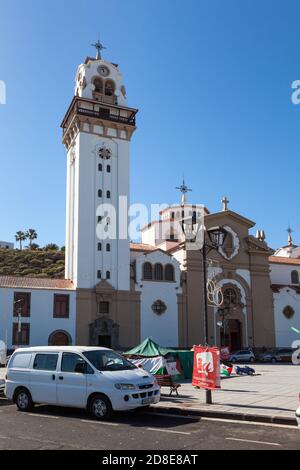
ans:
(97, 379)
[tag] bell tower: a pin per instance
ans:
(97, 130)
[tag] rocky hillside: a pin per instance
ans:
(32, 263)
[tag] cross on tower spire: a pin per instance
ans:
(290, 239)
(99, 47)
(184, 190)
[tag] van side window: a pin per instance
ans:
(45, 362)
(70, 361)
(20, 360)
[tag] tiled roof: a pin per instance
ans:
(35, 283)
(142, 247)
(284, 260)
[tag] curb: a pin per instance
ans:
(225, 415)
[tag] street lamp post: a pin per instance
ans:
(216, 237)
(19, 311)
(223, 312)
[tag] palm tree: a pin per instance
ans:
(20, 237)
(31, 234)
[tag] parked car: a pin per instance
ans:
(277, 355)
(97, 379)
(2, 386)
(298, 413)
(2, 354)
(244, 355)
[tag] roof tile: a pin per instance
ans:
(35, 283)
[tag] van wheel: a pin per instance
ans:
(100, 407)
(23, 400)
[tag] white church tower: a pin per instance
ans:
(97, 130)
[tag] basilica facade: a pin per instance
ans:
(116, 293)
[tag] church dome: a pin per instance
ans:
(290, 250)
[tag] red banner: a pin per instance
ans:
(206, 372)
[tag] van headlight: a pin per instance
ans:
(125, 386)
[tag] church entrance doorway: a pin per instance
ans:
(104, 332)
(104, 341)
(234, 334)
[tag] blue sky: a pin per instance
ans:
(212, 80)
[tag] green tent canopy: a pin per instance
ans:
(149, 348)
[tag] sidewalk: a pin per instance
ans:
(270, 396)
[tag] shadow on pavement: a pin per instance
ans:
(137, 418)
(4, 401)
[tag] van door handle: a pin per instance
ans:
(53, 377)
(61, 377)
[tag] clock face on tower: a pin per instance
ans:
(103, 71)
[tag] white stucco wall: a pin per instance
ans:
(281, 273)
(41, 320)
(148, 235)
(161, 328)
(83, 260)
(284, 335)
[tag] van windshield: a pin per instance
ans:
(108, 360)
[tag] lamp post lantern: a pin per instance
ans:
(216, 238)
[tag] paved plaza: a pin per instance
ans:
(273, 392)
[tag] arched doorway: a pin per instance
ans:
(231, 335)
(59, 338)
(230, 314)
(235, 334)
(104, 332)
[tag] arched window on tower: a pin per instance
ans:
(98, 91)
(158, 272)
(172, 236)
(107, 274)
(147, 271)
(108, 194)
(109, 88)
(169, 272)
(98, 84)
(108, 168)
(295, 277)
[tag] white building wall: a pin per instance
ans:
(7, 245)
(161, 328)
(148, 235)
(281, 273)
(41, 320)
(83, 258)
(284, 335)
